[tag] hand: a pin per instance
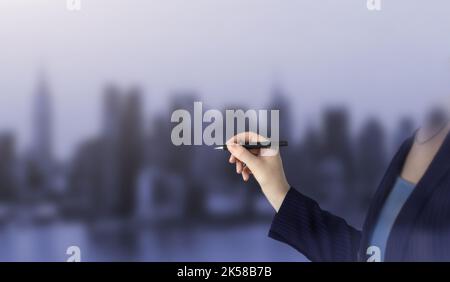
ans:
(264, 164)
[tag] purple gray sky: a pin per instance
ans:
(387, 63)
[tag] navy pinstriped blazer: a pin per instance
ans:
(421, 231)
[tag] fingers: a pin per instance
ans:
(239, 166)
(233, 159)
(242, 169)
(246, 137)
(242, 154)
(269, 152)
(246, 172)
(243, 158)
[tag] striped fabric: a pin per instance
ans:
(421, 231)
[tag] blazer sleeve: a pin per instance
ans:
(316, 233)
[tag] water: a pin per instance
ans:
(116, 243)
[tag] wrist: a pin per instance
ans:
(276, 194)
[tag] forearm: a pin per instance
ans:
(316, 233)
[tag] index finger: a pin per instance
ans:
(246, 137)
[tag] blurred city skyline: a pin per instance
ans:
(117, 193)
(228, 52)
(42, 110)
(109, 170)
(86, 98)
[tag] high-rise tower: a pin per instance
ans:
(42, 127)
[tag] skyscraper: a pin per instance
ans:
(370, 160)
(7, 167)
(41, 143)
(122, 149)
(112, 115)
(279, 101)
(130, 150)
(336, 138)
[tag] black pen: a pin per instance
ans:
(257, 145)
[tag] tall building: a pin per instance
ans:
(121, 151)
(111, 112)
(130, 150)
(279, 101)
(105, 170)
(42, 122)
(42, 131)
(371, 159)
(180, 158)
(336, 139)
(109, 190)
(7, 166)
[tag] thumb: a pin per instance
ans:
(242, 154)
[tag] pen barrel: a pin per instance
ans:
(265, 145)
(260, 145)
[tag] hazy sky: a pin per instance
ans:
(386, 63)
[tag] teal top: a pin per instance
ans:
(394, 202)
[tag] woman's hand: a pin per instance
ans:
(264, 164)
